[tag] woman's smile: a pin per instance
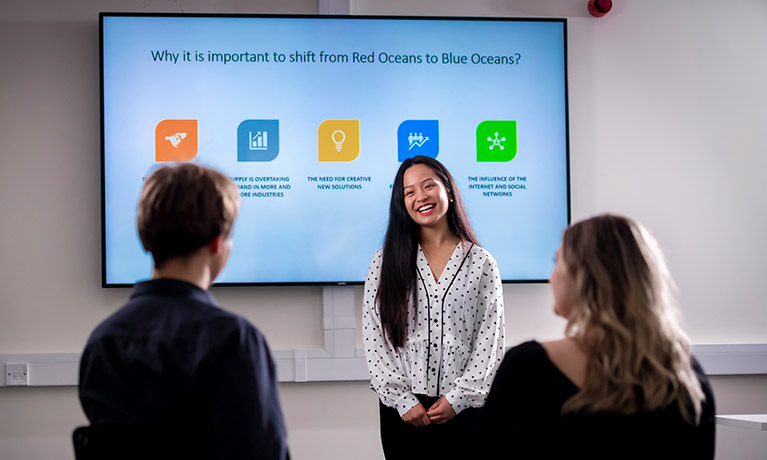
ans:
(426, 198)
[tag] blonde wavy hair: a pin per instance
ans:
(638, 356)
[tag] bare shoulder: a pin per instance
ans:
(569, 358)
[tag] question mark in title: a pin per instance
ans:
(518, 56)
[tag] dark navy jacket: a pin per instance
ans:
(172, 359)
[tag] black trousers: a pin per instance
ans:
(454, 439)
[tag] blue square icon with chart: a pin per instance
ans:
(258, 140)
(417, 137)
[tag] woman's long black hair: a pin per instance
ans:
(398, 267)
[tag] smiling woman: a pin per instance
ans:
(426, 198)
(433, 324)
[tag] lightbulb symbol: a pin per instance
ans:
(339, 140)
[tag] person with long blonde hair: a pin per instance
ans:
(622, 382)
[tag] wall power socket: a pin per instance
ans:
(16, 374)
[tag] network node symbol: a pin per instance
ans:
(496, 141)
(486, 151)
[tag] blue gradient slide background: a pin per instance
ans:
(326, 236)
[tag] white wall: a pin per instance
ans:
(666, 104)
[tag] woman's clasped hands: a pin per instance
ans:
(440, 412)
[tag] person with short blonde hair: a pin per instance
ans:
(170, 374)
(622, 382)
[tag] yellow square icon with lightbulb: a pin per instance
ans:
(339, 140)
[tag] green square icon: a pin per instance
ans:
(496, 140)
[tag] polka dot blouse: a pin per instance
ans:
(455, 336)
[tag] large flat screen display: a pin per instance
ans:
(312, 115)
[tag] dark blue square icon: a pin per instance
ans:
(258, 140)
(417, 137)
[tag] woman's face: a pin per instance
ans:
(426, 198)
(563, 288)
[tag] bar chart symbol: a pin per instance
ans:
(259, 140)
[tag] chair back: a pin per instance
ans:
(124, 442)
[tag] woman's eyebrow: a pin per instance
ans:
(423, 181)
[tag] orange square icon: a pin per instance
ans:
(175, 140)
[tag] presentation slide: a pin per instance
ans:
(312, 116)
